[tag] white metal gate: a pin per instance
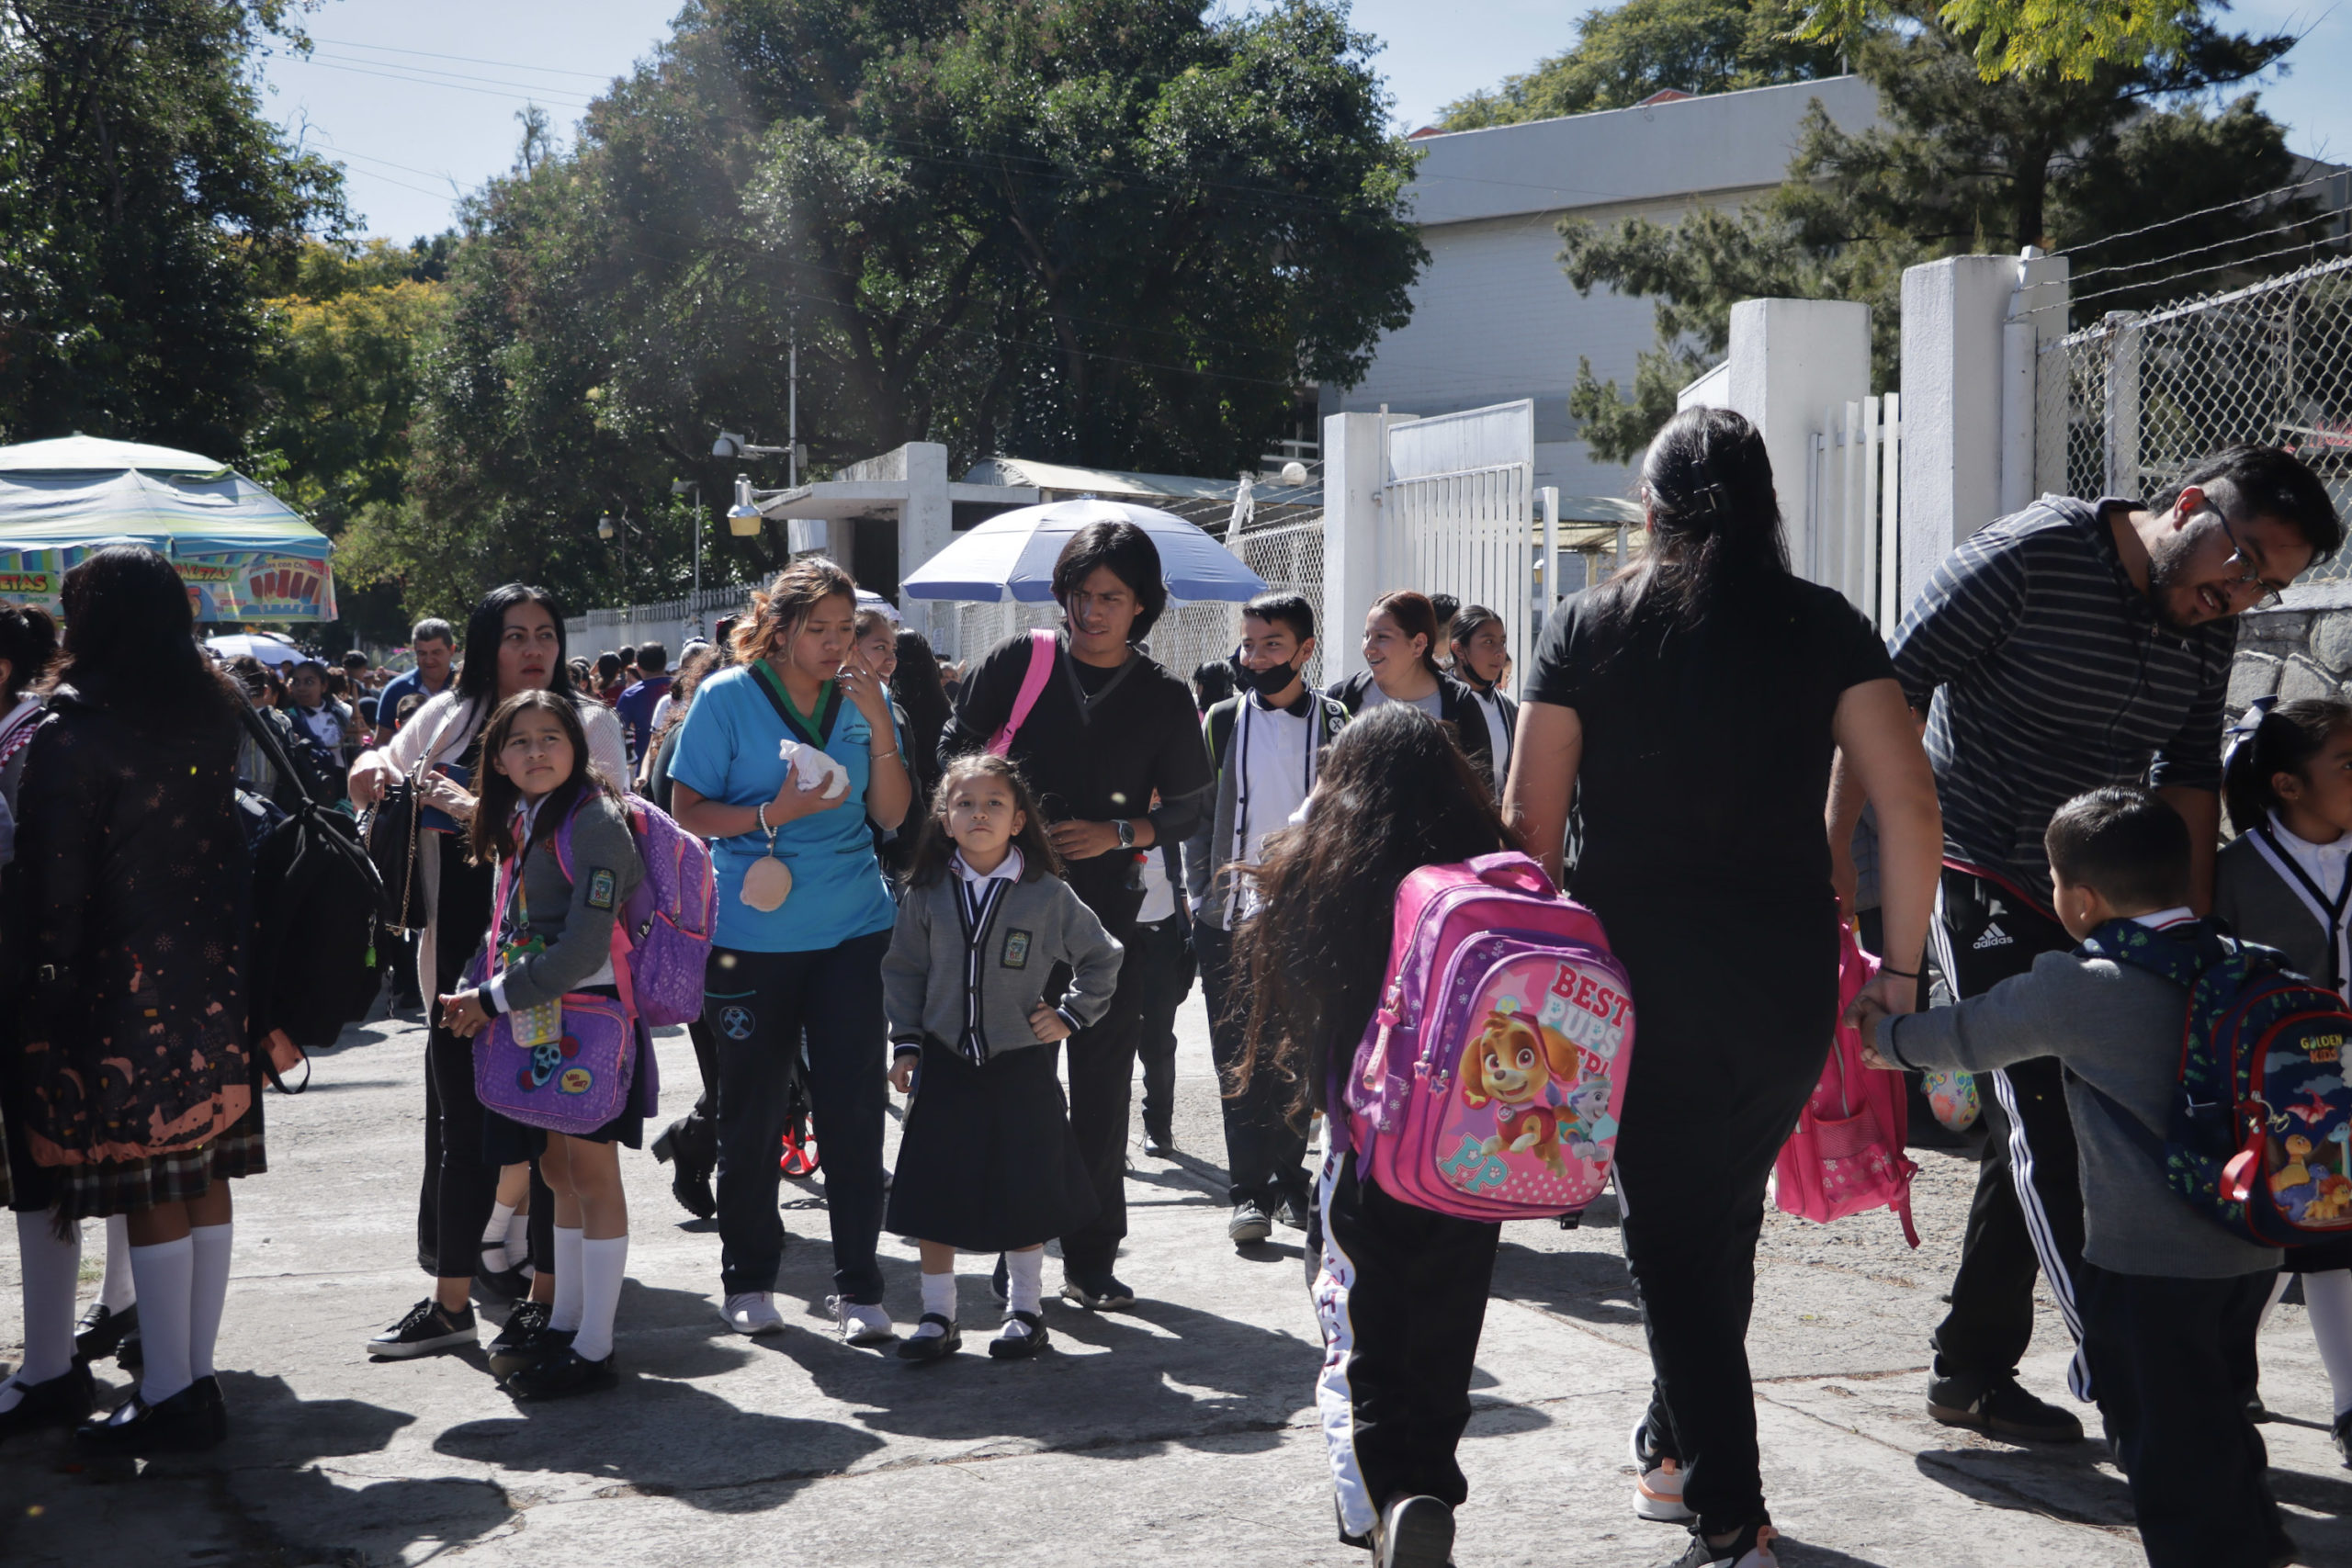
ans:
(1458, 490)
(1851, 507)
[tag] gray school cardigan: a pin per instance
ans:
(2118, 1028)
(928, 985)
(573, 917)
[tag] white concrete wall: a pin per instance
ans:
(1791, 360)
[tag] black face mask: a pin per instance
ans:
(1265, 683)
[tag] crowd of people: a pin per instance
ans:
(988, 885)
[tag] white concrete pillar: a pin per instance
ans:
(926, 526)
(1791, 361)
(1354, 565)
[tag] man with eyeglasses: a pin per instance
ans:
(2072, 645)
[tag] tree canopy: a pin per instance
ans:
(147, 209)
(1964, 166)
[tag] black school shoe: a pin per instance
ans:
(132, 1355)
(192, 1419)
(102, 1330)
(1414, 1532)
(65, 1400)
(524, 1339)
(562, 1372)
(1097, 1293)
(694, 1157)
(500, 1284)
(1019, 1346)
(2341, 1433)
(2001, 1407)
(932, 1347)
(428, 1329)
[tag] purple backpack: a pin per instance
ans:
(662, 939)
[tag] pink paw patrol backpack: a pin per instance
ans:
(1487, 1084)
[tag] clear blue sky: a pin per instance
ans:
(387, 93)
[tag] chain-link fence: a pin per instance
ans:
(2140, 398)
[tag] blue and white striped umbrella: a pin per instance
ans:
(1012, 556)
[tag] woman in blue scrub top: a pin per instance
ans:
(812, 962)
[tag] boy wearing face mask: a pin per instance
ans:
(1266, 743)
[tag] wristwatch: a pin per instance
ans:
(1126, 831)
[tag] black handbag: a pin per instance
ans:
(394, 837)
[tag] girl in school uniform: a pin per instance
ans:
(1402, 1292)
(987, 1162)
(537, 776)
(2282, 881)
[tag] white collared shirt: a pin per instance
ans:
(2324, 863)
(2179, 914)
(1008, 868)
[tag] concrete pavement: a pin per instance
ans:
(1181, 1432)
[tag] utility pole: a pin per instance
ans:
(791, 417)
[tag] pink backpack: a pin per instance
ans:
(1487, 1084)
(662, 940)
(1846, 1156)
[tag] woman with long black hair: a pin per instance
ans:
(122, 906)
(514, 643)
(1700, 699)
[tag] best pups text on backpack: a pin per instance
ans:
(2261, 1130)
(1487, 1084)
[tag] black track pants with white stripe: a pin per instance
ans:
(1402, 1298)
(2027, 1212)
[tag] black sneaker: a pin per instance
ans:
(560, 1373)
(428, 1328)
(1100, 1293)
(1158, 1143)
(1751, 1548)
(102, 1331)
(524, 1341)
(65, 1400)
(1249, 1225)
(1414, 1532)
(2001, 1407)
(1291, 1215)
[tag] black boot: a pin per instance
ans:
(691, 1144)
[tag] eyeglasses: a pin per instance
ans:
(2250, 576)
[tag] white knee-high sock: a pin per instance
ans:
(208, 1293)
(50, 1268)
(117, 1294)
(602, 1265)
(565, 1313)
(1024, 1279)
(518, 1241)
(2328, 1298)
(165, 1273)
(2278, 1289)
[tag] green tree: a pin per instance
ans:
(2072, 40)
(147, 207)
(1622, 56)
(1962, 166)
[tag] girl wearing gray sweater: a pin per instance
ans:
(987, 1162)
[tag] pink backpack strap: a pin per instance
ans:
(1032, 686)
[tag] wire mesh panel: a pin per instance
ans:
(1290, 559)
(2140, 398)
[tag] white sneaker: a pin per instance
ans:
(858, 1324)
(1658, 1495)
(752, 1311)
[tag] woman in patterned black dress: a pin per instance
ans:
(125, 1079)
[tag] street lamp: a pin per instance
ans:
(743, 519)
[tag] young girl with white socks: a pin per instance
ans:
(2282, 881)
(538, 775)
(987, 1162)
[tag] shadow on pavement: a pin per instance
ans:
(2063, 1482)
(1795, 1553)
(1592, 1287)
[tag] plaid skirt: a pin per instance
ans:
(127, 1187)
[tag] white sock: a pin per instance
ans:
(208, 1294)
(2328, 1298)
(939, 1296)
(117, 1294)
(2278, 1289)
(1024, 1279)
(165, 1275)
(602, 1265)
(518, 1241)
(51, 1268)
(494, 1237)
(565, 1314)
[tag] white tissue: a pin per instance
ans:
(812, 768)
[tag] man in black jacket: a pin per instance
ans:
(1108, 729)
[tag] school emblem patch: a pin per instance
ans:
(601, 885)
(1016, 950)
(735, 1023)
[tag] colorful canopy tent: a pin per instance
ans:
(245, 554)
